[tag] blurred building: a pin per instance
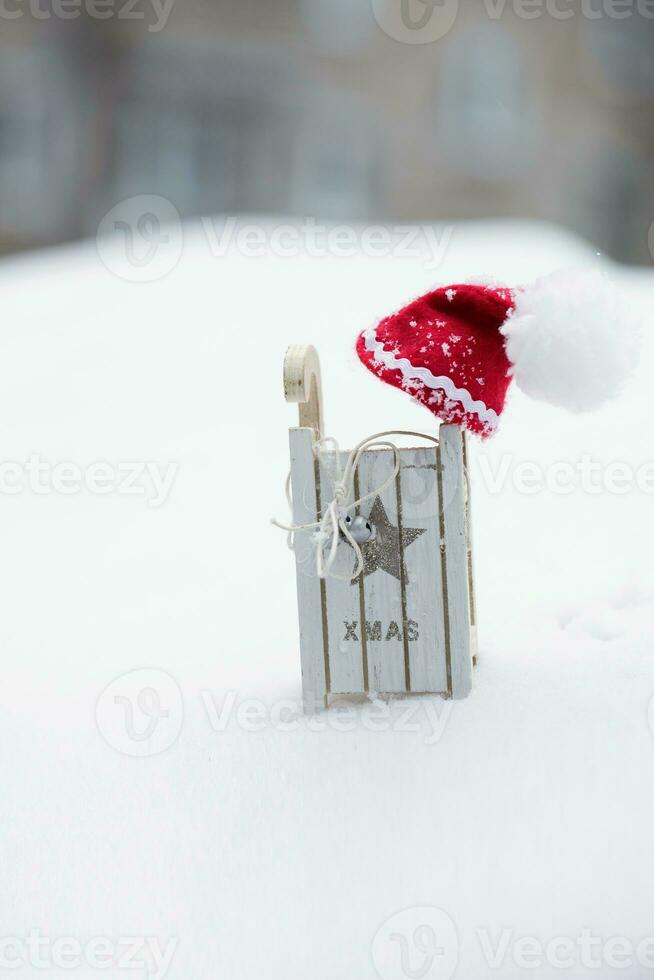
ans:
(310, 108)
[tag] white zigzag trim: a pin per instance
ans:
(409, 372)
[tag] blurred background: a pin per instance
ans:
(397, 110)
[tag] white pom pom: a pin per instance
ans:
(570, 340)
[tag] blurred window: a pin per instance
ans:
(624, 51)
(40, 122)
(607, 199)
(486, 118)
(227, 128)
(340, 27)
(336, 163)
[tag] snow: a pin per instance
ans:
(255, 844)
(573, 339)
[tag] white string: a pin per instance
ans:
(333, 519)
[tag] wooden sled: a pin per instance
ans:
(407, 624)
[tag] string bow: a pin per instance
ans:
(333, 519)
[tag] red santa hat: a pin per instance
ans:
(565, 339)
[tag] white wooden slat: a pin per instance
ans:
(472, 594)
(423, 580)
(456, 560)
(386, 649)
(347, 667)
(313, 642)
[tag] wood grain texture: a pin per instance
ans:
(310, 590)
(406, 625)
(472, 588)
(456, 555)
(384, 608)
(424, 606)
(302, 384)
(346, 653)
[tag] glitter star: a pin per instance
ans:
(385, 552)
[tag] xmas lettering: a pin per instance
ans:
(374, 632)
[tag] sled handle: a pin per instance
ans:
(302, 384)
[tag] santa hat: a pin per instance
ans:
(565, 339)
